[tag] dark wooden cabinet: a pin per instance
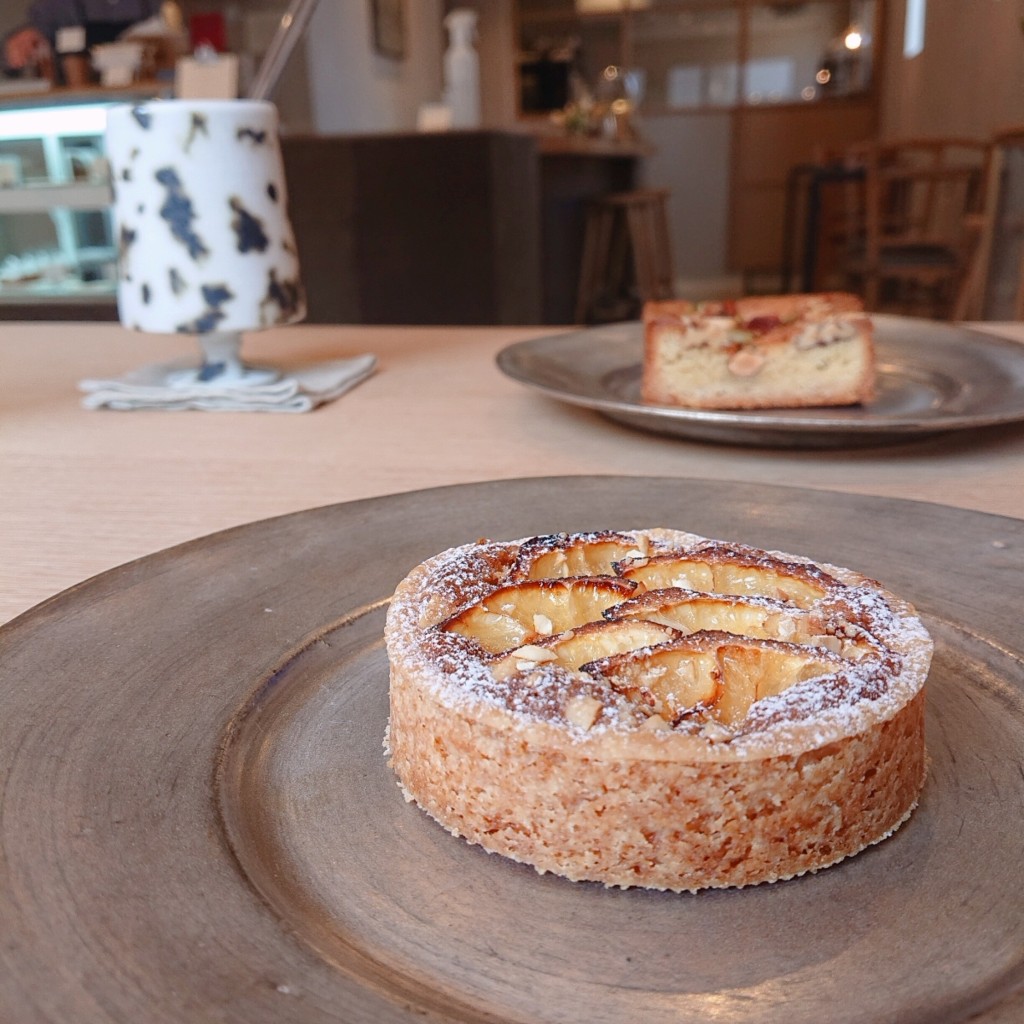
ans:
(417, 229)
(474, 227)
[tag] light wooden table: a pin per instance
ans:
(82, 492)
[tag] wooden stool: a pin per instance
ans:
(626, 248)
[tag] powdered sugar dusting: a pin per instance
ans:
(893, 650)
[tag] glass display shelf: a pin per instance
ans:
(56, 236)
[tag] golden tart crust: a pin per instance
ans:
(679, 757)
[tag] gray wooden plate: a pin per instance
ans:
(932, 378)
(198, 823)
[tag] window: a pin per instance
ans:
(913, 28)
(684, 55)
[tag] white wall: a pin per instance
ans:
(968, 80)
(691, 159)
(352, 88)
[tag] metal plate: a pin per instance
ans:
(932, 378)
(198, 822)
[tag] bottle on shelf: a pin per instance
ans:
(462, 69)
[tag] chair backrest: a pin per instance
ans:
(1000, 269)
(920, 192)
(912, 220)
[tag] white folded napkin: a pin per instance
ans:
(300, 390)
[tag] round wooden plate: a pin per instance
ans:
(198, 824)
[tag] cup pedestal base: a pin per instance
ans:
(222, 366)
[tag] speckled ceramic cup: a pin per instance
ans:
(200, 209)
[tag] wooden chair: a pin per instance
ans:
(627, 255)
(993, 288)
(910, 239)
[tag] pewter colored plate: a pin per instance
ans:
(932, 378)
(198, 823)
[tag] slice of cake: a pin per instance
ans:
(651, 708)
(761, 352)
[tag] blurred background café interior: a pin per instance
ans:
(613, 151)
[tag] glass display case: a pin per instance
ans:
(56, 239)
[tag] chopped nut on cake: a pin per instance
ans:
(761, 352)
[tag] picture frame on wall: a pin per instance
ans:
(388, 20)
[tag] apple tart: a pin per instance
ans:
(654, 708)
